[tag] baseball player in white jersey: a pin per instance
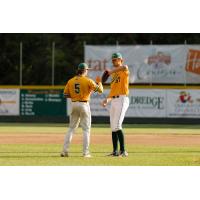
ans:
(79, 90)
(119, 102)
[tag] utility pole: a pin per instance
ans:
(53, 63)
(20, 63)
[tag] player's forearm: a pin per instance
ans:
(108, 99)
(100, 87)
(122, 68)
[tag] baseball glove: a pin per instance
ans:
(105, 76)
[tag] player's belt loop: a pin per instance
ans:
(119, 96)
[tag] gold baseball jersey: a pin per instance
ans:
(79, 88)
(119, 83)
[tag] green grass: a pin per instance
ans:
(48, 155)
(100, 128)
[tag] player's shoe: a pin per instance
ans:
(64, 154)
(113, 154)
(123, 154)
(87, 155)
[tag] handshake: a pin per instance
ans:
(104, 77)
(98, 79)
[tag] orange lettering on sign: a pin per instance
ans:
(193, 61)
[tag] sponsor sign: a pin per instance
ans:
(147, 103)
(143, 103)
(193, 61)
(149, 63)
(9, 102)
(156, 103)
(183, 103)
(43, 102)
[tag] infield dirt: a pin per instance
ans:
(44, 138)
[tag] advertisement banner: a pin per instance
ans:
(9, 102)
(147, 103)
(143, 103)
(155, 103)
(43, 102)
(183, 103)
(149, 63)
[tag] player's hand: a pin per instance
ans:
(98, 79)
(104, 102)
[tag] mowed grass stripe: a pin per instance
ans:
(98, 129)
(49, 155)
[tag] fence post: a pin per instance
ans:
(185, 82)
(117, 46)
(151, 43)
(53, 62)
(20, 63)
(84, 44)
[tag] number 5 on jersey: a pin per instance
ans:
(77, 88)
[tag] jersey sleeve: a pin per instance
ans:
(126, 70)
(109, 95)
(95, 87)
(66, 90)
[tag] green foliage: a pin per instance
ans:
(69, 52)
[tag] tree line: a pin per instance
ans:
(69, 52)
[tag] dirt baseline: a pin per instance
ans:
(165, 140)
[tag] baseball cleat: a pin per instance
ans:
(87, 155)
(123, 154)
(64, 154)
(114, 153)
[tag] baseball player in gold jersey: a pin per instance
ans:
(79, 89)
(119, 102)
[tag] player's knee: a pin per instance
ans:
(86, 130)
(116, 129)
(73, 126)
(72, 129)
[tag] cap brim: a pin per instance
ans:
(116, 58)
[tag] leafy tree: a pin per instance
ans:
(69, 52)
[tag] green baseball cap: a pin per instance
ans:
(116, 55)
(83, 66)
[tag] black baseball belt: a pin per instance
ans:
(114, 97)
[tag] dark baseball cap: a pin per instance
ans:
(83, 66)
(116, 55)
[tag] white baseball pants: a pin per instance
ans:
(118, 110)
(80, 114)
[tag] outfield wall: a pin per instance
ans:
(148, 104)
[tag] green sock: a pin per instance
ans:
(121, 139)
(114, 141)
